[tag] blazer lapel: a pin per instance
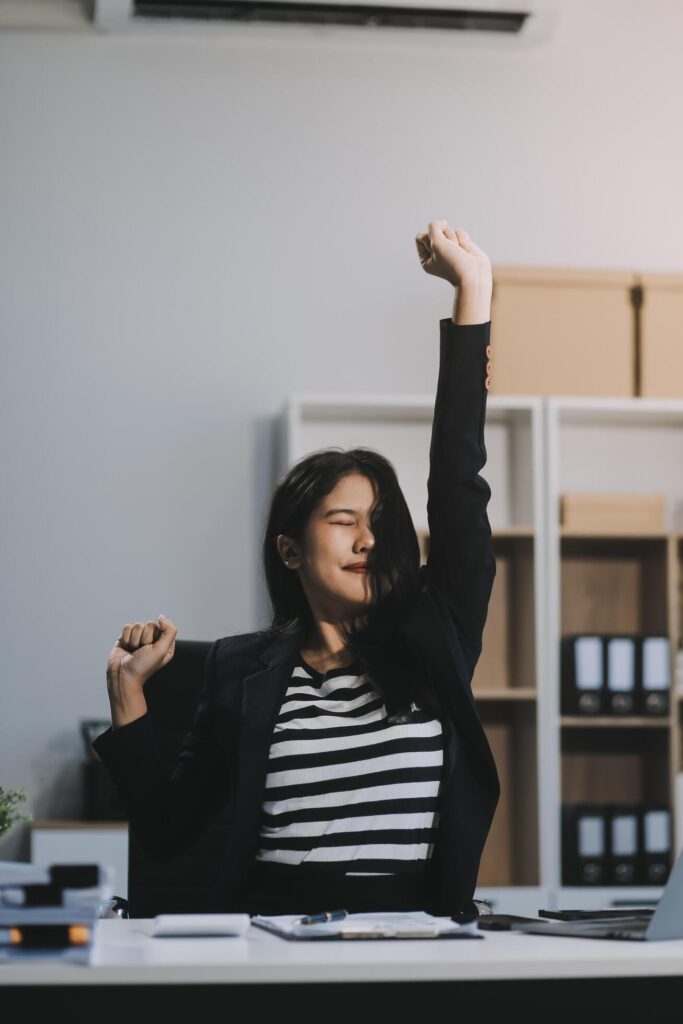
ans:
(262, 694)
(264, 689)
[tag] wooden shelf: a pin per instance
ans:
(512, 693)
(605, 765)
(572, 532)
(609, 721)
(510, 856)
(512, 532)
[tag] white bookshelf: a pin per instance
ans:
(613, 445)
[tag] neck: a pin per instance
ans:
(326, 644)
(324, 637)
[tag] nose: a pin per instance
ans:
(365, 540)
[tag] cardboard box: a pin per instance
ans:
(563, 332)
(613, 513)
(661, 336)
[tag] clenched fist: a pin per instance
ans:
(140, 651)
(452, 255)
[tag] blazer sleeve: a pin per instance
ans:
(169, 806)
(461, 562)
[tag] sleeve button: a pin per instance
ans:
(488, 367)
(488, 350)
(487, 383)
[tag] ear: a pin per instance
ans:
(286, 549)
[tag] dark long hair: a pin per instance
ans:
(393, 566)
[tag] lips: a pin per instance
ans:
(355, 568)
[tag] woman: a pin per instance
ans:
(346, 734)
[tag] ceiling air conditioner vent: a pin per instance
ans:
(496, 25)
(403, 16)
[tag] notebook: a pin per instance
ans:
(415, 924)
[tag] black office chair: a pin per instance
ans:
(182, 885)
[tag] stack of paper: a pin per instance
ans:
(51, 912)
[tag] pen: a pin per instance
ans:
(326, 915)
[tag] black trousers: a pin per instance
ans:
(274, 888)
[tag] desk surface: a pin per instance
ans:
(125, 953)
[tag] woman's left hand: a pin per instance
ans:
(452, 255)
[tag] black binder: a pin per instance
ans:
(620, 673)
(624, 844)
(582, 665)
(654, 675)
(655, 823)
(584, 844)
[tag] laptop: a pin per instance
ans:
(664, 922)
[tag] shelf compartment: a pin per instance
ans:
(510, 856)
(613, 585)
(508, 659)
(606, 765)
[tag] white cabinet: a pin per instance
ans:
(81, 842)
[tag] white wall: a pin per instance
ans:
(193, 228)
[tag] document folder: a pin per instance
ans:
(584, 844)
(415, 924)
(656, 844)
(621, 675)
(583, 675)
(655, 675)
(624, 845)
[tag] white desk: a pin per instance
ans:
(133, 973)
(126, 954)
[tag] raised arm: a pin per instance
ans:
(168, 806)
(461, 562)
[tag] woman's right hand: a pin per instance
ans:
(140, 651)
(452, 255)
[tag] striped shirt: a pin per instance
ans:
(346, 785)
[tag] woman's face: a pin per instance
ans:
(337, 535)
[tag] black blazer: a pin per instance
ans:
(225, 754)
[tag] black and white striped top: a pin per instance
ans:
(344, 784)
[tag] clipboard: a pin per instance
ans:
(387, 925)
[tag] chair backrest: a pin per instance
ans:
(181, 885)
